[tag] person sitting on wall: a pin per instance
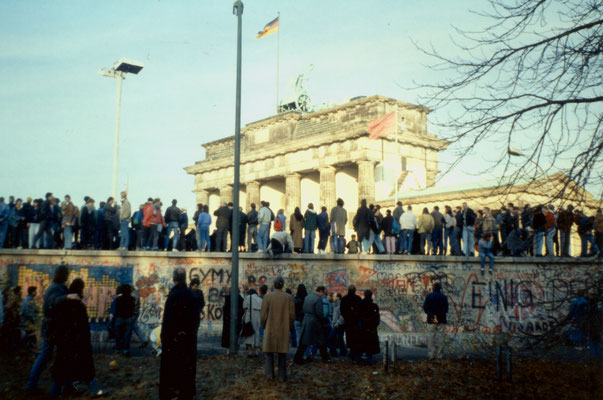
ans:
(281, 242)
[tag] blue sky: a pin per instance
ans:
(57, 118)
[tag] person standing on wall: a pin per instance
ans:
(436, 308)
(252, 228)
(125, 213)
(277, 315)
(172, 219)
(178, 366)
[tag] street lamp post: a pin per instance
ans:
(237, 10)
(118, 71)
(517, 153)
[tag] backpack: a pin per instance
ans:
(278, 225)
(396, 227)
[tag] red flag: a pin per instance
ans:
(383, 126)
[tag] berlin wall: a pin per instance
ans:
(524, 296)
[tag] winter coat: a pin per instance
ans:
(538, 222)
(88, 219)
(438, 219)
(350, 311)
(436, 305)
(156, 217)
(312, 332)
(339, 216)
(550, 220)
(55, 294)
(296, 227)
(16, 217)
(252, 306)
(178, 365)
(488, 224)
(362, 222)
(322, 221)
(485, 246)
(337, 317)
(252, 218)
(223, 215)
(565, 220)
(425, 223)
(125, 213)
(277, 316)
(172, 214)
(45, 211)
(264, 216)
(125, 306)
(388, 224)
(408, 220)
(369, 321)
(204, 220)
(69, 214)
(110, 213)
(310, 221)
(71, 333)
(598, 223)
(398, 211)
(469, 217)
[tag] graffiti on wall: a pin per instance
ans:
(101, 282)
(517, 298)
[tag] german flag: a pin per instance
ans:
(270, 28)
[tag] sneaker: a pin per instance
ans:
(482, 270)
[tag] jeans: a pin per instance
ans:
(124, 234)
(538, 243)
(3, 231)
(262, 237)
(297, 325)
(436, 238)
(323, 238)
(33, 229)
(155, 231)
(456, 241)
(425, 236)
(549, 234)
(204, 242)
(406, 238)
(41, 361)
(68, 237)
(565, 243)
(44, 229)
(142, 338)
(335, 244)
(468, 232)
(252, 231)
(336, 340)
(175, 227)
(309, 241)
(123, 333)
(379, 243)
(448, 239)
(482, 258)
(593, 246)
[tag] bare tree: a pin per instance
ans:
(533, 80)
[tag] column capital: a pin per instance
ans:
(327, 168)
(293, 175)
(366, 161)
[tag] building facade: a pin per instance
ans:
(293, 158)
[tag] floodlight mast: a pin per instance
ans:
(118, 71)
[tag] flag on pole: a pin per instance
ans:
(270, 28)
(383, 126)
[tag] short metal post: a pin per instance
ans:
(509, 370)
(498, 362)
(394, 354)
(386, 356)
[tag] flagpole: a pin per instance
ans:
(397, 174)
(278, 47)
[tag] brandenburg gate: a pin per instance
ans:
(294, 158)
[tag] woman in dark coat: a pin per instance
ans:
(225, 343)
(71, 333)
(369, 321)
(362, 222)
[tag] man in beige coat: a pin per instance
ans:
(277, 315)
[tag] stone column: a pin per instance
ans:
(202, 197)
(292, 193)
(327, 187)
(253, 195)
(225, 194)
(366, 181)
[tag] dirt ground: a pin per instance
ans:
(221, 377)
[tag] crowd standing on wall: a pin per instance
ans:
(460, 231)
